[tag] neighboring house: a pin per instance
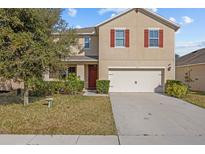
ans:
(135, 50)
(190, 69)
(7, 85)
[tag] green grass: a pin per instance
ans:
(196, 98)
(69, 115)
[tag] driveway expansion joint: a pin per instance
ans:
(28, 143)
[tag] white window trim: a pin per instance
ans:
(149, 38)
(115, 37)
(84, 42)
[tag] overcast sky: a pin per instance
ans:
(190, 37)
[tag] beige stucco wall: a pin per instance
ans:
(136, 55)
(81, 71)
(92, 51)
(86, 76)
(197, 75)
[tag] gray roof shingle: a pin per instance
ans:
(88, 30)
(195, 57)
(82, 59)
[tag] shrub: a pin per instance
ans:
(102, 86)
(176, 88)
(53, 87)
(44, 88)
(73, 84)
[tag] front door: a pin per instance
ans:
(92, 76)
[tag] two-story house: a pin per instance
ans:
(135, 50)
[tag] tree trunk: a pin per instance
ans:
(26, 98)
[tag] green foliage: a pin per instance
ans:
(27, 46)
(176, 88)
(102, 86)
(46, 88)
(73, 84)
(188, 78)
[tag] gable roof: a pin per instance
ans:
(85, 31)
(196, 57)
(151, 14)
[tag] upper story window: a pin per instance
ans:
(153, 38)
(119, 38)
(87, 42)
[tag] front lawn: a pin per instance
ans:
(69, 115)
(197, 98)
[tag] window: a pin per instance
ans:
(64, 73)
(71, 70)
(153, 38)
(120, 38)
(87, 42)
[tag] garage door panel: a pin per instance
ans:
(135, 80)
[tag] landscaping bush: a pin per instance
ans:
(45, 88)
(176, 88)
(102, 86)
(73, 85)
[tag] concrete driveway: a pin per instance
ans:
(150, 118)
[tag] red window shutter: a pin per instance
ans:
(146, 38)
(112, 38)
(127, 38)
(161, 38)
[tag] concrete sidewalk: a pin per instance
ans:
(58, 140)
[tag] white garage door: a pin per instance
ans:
(132, 80)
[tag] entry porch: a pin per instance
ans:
(86, 68)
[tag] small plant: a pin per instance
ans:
(176, 88)
(188, 78)
(46, 88)
(73, 84)
(102, 86)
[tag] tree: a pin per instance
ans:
(27, 49)
(188, 79)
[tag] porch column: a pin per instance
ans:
(81, 71)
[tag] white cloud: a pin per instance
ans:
(78, 26)
(153, 9)
(72, 12)
(113, 14)
(183, 48)
(173, 19)
(111, 10)
(191, 44)
(187, 20)
(116, 11)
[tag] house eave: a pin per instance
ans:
(154, 15)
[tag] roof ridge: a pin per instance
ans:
(86, 27)
(193, 52)
(193, 57)
(171, 24)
